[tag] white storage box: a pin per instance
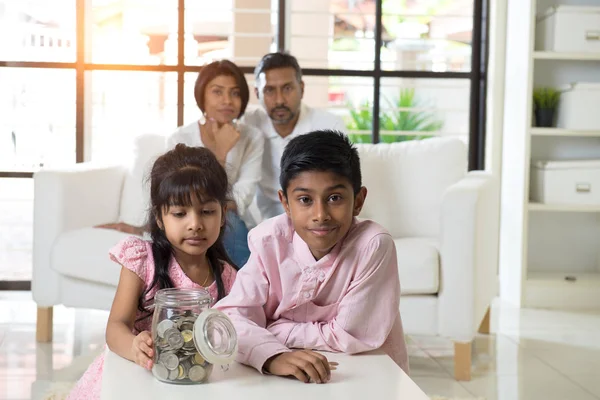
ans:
(566, 182)
(569, 29)
(578, 107)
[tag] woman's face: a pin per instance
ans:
(222, 100)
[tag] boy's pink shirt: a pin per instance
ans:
(346, 302)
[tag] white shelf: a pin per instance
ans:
(559, 277)
(551, 55)
(563, 207)
(562, 132)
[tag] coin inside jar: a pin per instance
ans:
(174, 338)
(169, 360)
(198, 359)
(197, 373)
(160, 371)
(164, 326)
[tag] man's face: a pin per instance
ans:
(280, 94)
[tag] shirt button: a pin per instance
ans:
(306, 295)
(321, 276)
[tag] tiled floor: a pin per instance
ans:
(533, 354)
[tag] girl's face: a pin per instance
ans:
(193, 229)
(222, 100)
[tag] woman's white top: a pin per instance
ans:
(243, 162)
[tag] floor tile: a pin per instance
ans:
(436, 386)
(590, 382)
(527, 385)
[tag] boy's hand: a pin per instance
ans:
(305, 365)
(141, 349)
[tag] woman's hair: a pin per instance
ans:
(177, 177)
(219, 68)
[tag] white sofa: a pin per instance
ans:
(444, 221)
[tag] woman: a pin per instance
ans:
(222, 94)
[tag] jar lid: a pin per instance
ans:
(215, 337)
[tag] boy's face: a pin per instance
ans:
(321, 206)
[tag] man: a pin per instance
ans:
(283, 116)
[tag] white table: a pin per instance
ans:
(361, 377)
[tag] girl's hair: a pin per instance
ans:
(177, 177)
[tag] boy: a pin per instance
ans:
(317, 278)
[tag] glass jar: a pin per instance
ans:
(188, 337)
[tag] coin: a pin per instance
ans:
(163, 327)
(181, 372)
(198, 359)
(160, 372)
(175, 339)
(169, 360)
(197, 373)
(174, 374)
(187, 336)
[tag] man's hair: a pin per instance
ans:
(277, 60)
(324, 151)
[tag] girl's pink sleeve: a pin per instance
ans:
(131, 253)
(228, 276)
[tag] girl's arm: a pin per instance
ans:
(119, 336)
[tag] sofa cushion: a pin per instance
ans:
(406, 182)
(83, 254)
(136, 193)
(418, 265)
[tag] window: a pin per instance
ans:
(392, 69)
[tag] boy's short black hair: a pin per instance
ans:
(322, 150)
(277, 60)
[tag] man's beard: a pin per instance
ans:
(281, 121)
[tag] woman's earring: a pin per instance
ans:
(202, 118)
(234, 122)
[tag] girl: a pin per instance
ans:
(188, 198)
(222, 94)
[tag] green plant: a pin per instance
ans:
(398, 119)
(544, 98)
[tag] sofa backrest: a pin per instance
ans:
(136, 191)
(406, 182)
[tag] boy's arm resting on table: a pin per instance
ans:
(244, 306)
(366, 313)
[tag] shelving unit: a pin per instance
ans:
(551, 55)
(562, 132)
(549, 253)
(564, 208)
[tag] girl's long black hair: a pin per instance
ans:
(176, 178)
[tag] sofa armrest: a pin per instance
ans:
(81, 196)
(469, 254)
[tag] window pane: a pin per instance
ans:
(37, 30)
(126, 105)
(141, 32)
(427, 35)
(37, 126)
(16, 228)
(419, 108)
(351, 98)
(337, 34)
(239, 30)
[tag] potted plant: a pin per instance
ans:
(398, 119)
(545, 101)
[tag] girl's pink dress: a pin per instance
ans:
(135, 254)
